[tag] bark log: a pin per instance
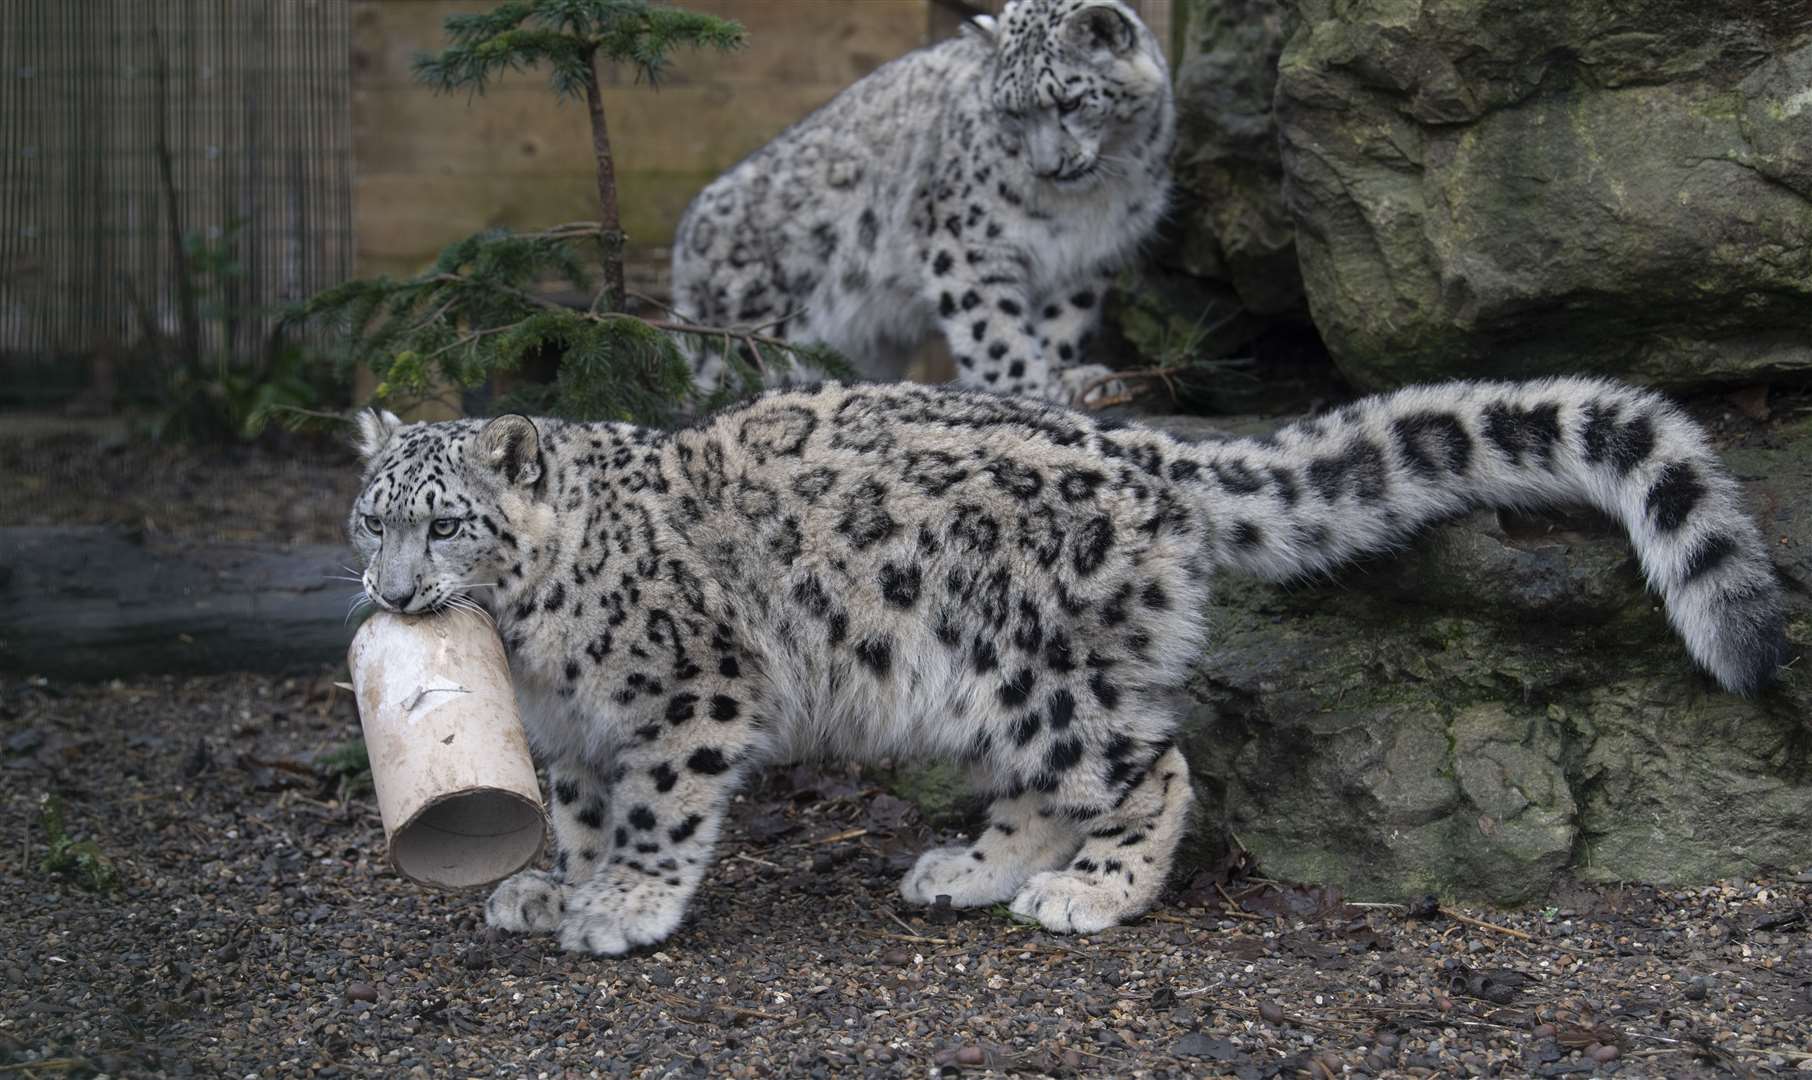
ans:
(91, 603)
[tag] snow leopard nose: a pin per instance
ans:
(1047, 167)
(398, 597)
(1044, 149)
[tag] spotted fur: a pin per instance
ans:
(897, 571)
(986, 188)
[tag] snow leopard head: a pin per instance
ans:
(1077, 83)
(446, 508)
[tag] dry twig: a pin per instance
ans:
(837, 838)
(1483, 925)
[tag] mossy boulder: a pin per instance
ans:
(1491, 188)
(1500, 705)
(939, 789)
(1233, 227)
(1220, 280)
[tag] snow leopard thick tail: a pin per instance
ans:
(1369, 476)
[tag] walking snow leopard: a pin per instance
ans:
(987, 186)
(901, 571)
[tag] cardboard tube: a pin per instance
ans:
(455, 783)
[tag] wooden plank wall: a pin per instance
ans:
(432, 168)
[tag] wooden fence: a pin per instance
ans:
(177, 168)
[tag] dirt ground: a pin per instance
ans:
(285, 489)
(252, 928)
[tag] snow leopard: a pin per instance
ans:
(904, 572)
(987, 187)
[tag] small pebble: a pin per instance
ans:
(970, 1055)
(661, 977)
(1602, 1053)
(1272, 1013)
(361, 991)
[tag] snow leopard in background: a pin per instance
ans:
(988, 187)
(908, 572)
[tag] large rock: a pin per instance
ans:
(1233, 226)
(1509, 188)
(1500, 705)
(1220, 280)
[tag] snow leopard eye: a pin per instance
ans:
(442, 528)
(1066, 106)
(374, 525)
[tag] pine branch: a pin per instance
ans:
(476, 313)
(565, 35)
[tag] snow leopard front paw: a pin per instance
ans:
(1085, 385)
(531, 902)
(1070, 902)
(612, 914)
(956, 873)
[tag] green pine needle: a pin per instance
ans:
(478, 311)
(565, 36)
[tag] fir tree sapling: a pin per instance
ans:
(479, 310)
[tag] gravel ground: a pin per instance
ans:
(255, 930)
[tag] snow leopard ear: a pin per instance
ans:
(983, 27)
(376, 428)
(511, 447)
(1101, 29)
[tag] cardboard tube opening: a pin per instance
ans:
(469, 838)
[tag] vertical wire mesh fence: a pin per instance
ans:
(174, 173)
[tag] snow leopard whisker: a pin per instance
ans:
(461, 602)
(1115, 166)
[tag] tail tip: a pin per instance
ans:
(1755, 658)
